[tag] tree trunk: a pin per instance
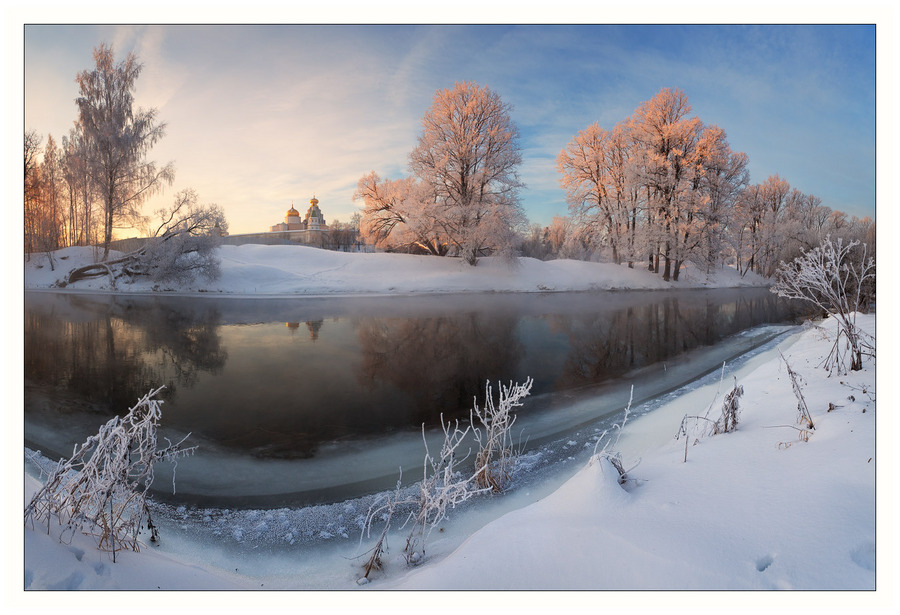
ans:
(667, 272)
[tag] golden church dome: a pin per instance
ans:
(292, 212)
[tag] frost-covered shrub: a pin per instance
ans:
(728, 421)
(102, 488)
(494, 437)
(444, 486)
(840, 280)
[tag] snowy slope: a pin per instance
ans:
(754, 509)
(290, 270)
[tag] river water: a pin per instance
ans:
(298, 401)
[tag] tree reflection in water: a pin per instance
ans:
(440, 362)
(608, 343)
(240, 379)
(108, 354)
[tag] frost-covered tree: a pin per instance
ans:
(746, 229)
(774, 194)
(118, 138)
(558, 233)
(184, 241)
(181, 247)
(462, 196)
(666, 151)
(400, 215)
(602, 199)
(720, 175)
(468, 154)
(82, 192)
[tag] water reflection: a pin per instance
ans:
(245, 376)
(439, 362)
(311, 326)
(608, 343)
(108, 353)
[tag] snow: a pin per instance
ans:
(300, 270)
(754, 509)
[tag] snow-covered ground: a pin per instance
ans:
(757, 508)
(292, 270)
(754, 509)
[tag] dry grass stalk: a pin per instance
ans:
(796, 381)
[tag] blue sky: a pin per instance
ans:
(260, 117)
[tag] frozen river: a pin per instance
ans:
(300, 401)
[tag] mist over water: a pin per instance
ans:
(316, 399)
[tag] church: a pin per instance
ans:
(314, 221)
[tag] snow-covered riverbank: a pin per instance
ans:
(299, 270)
(758, 508)
(754, 509)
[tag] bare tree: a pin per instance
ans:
(835, 278)
(51, 176)
(119, 137)
(401, 215)
(32, 143)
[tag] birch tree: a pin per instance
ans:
(119, 137)
(81, 193)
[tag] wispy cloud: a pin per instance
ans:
(259, 116)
